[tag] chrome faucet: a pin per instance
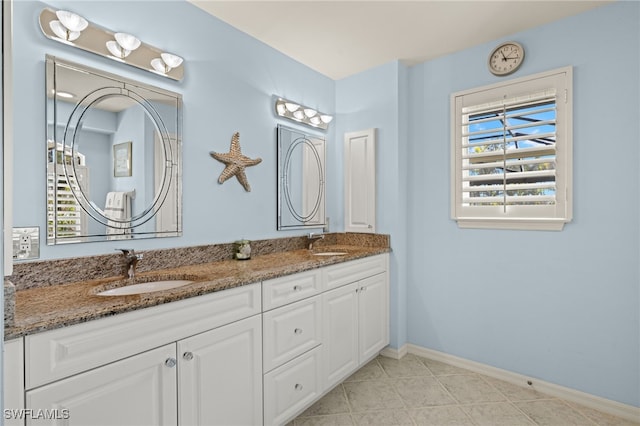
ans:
(132, 261)
(313, 237)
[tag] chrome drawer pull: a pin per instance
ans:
(298, 387)
(188, 356)
(170, 362)
(298, 331)
(297, 288)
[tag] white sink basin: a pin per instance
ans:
(144, 288)
(330, 253)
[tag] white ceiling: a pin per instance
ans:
(341, 38)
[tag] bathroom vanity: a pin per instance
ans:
(261, 342)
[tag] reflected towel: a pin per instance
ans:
(117, 209)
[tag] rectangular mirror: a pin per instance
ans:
(113, 157)
(301, 179)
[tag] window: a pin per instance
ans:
(511, 153)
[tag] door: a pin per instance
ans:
(220, 380)
(136, 391)
(360, 181)
(340, 343)
(373, 315)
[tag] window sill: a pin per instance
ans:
(512, 224)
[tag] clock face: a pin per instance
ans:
(506, 58)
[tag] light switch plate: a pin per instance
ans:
(26, 243)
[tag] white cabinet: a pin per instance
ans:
(220, 376)
(252, 355)
(356, 318)
(293, 386)
(340, 332)
(373, 316)
(360, 181)
(291, 330)
(135, 391)
(207, 370)
(13, 381)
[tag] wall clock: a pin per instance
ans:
(506, 58)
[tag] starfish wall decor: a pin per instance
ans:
(235, 163)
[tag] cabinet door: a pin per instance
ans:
(340, 339)
(360, 181)
(136, 391)
(13, 382)
(373, 315)
(220, 375)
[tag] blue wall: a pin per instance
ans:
(559, 306)
(376, 99)
(228, 86)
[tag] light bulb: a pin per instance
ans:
(72, 21)
(326, 118)
(315, 120)
(280, 108)
(298, 114)
(127, 41)
(309, 112)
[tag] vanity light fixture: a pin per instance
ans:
(302, 114)
(166, 62)
(67, 27)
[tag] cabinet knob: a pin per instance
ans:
(369, 226)
(188, 356)
(298, 387)
(298, 331)
(297, 288)
(170, 362)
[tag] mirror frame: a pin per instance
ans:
(299, 220)
(69, 141)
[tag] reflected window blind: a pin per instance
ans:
(65, 217)
(509, 152)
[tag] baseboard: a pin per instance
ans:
(615, 408)
(394, 353)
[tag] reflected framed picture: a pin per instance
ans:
(122, 159)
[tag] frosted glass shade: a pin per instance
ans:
(72, 21)
(117, 51)
(62, 32)
(171, 60)
(127, 41)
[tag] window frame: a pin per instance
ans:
(517, 217)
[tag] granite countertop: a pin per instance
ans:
(46, 308)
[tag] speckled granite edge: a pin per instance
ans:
(59, 271)
(9, 302)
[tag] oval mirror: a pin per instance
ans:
(113, 168)
(301, 183)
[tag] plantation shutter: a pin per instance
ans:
(511, 154)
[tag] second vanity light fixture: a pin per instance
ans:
(74, 30)
(302, 114)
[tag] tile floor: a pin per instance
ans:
(421, 391)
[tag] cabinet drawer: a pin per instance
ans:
(291, 330)
(348, 272)
(291, 288)
(292, 387)
(59, 353)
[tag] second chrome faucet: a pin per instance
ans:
(132, 261)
